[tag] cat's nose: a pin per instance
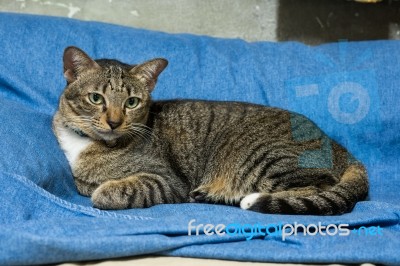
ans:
(114, 124)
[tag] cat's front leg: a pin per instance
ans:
(141, 190)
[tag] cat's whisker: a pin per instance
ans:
(134, 134)
(141, 125)
(86, 120)
(141, 134)
(143, 130)
(146, 133)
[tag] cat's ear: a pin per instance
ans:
(76, 62)
(148, 71)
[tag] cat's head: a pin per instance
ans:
(106, 99)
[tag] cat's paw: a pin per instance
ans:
(248, 201)
(200, 194)
(112, 195)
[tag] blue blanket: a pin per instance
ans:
(350, 89)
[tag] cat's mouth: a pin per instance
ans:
(108, 134)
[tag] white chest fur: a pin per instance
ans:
(72, 144)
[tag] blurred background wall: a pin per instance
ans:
(308, 21)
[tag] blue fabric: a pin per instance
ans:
(351, 89)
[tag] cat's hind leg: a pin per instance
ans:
(322, 200)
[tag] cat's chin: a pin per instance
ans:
(108, 136)
(111, 143)
(110, 140)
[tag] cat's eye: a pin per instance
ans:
(96, 98)
(132, 102)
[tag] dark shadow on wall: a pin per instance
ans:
(320, 21)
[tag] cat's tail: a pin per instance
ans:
(341, 198)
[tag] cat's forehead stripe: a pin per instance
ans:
(115, 78)
(104, 88)
(129, 90)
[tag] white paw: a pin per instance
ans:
(249, 200)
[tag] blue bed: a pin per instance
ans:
(350, 89)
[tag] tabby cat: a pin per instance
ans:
(127, 151)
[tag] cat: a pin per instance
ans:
(127, 151)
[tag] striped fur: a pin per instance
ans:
(261, 158)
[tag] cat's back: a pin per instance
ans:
(210, 112)
(202, 121)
